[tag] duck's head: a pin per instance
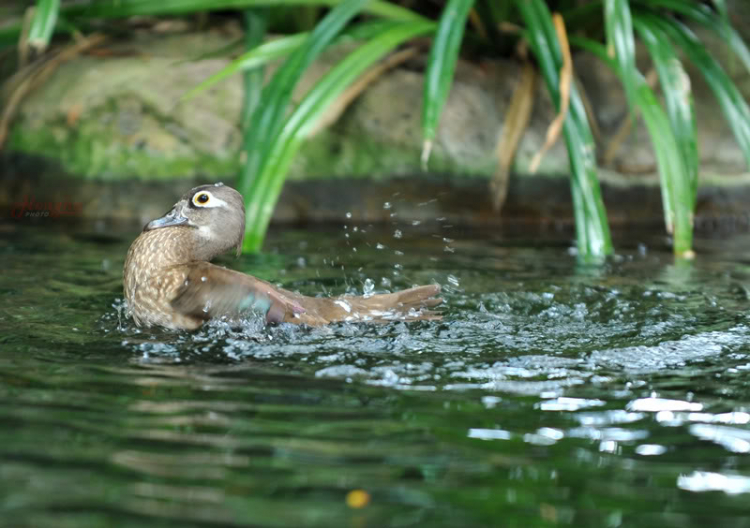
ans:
(215, 216)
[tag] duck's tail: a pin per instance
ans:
(408, 305)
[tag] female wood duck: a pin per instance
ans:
(169, 281)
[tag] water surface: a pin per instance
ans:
(551, 394)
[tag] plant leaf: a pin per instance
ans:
(703, 15)
(268, 119)
(731, 101)
(676, 194)
(678, 98)
(128, 8)
(267, 186)
(592, 229)
(440, 67)
(278, 48)
(620, 43)
(43, 23)
(256, 57)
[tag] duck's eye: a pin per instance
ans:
(201, 198)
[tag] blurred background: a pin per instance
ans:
(457, 106)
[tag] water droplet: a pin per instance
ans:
(380, 246)
(397, 233)
(399, 253)
(453, 280)
(348, 214)
(387, 205)
(369, 287)
(416, 222)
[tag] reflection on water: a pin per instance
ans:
(551, 393)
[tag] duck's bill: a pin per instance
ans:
(172, 218)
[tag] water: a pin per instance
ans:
(551, 394)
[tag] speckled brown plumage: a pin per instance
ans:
(169, 282)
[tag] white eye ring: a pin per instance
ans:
(210, 200)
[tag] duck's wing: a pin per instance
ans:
(413, 304)
(211, 291)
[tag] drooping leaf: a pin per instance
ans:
(266, 188)
(678, 97)
(440, 67)
(675, 183)
(592, 229)
(278, 48)
(703, 15)
(43, 23)
(254, 58)
(621, 44)
(128, 8)
(268, 119)
(733, 104)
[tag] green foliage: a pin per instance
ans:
(264, 189)
(273, 132)
(679, 104)
(43, 23)
(621, 43)
(441, 66)
(592, 230)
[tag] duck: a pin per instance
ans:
(170, 282)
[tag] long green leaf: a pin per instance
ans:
(440, 67)
(269, 117)
(731, 101)
(266, 188)
(592, 230)
(278, 48)
(703, 15)
(127, 8)
(43, 23)
(256, 57)
(676, 189)
(678, 98)
(621, 43)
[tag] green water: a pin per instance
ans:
(551, 394)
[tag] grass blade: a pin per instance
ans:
(265, 189)
(128, 8)
(269, 117)
(43, 23)
(278, 48)
(592, 230)
(676, 189)
(440, 67)
(255, 58)
(703, 15)
(678, 99)
(620, 43)
(731, 101)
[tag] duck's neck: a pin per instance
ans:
(167, 247)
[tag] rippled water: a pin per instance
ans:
(551, 394)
